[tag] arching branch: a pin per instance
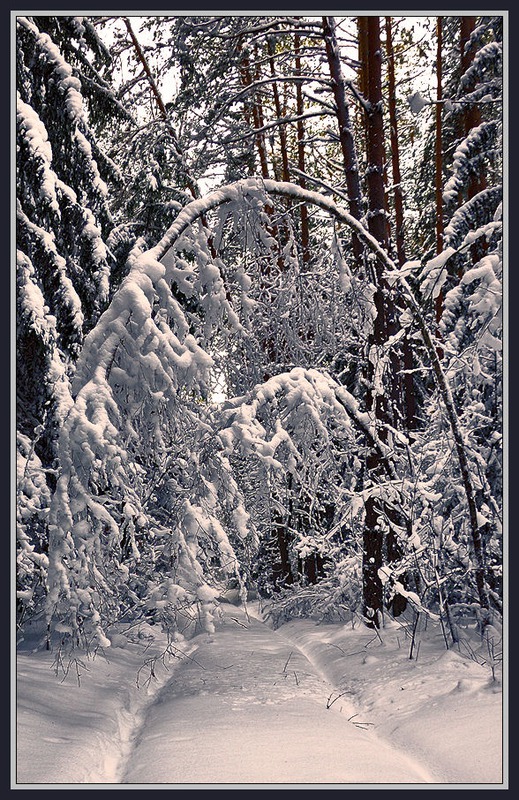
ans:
(251, 187)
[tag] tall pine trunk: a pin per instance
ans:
(305, 236)
(395, 151)
(387, 406)
(438, 163)
(285, 172)
(472, 113)
(438, 143)
(347, 143)
(408, 387)
(254, 114)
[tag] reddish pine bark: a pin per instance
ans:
(408, 382)
(345, 131)
(285, 172)
(378, 546)
(395, 152)
(472, 114)
(257, 116)
(438, 162)
(305, 236)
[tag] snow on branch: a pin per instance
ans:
(136, 364)
(479, 141)
(294, 398)
(487, 59)
(35, 136)
(475, 213)
(69, 88)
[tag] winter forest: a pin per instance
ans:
(259, 265)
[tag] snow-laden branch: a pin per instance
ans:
(254, 187)
(152, 360)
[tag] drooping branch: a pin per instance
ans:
(253, 187)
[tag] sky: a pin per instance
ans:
(308, 703)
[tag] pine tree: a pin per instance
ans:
(63, 263)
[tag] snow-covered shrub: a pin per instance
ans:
(32, 508)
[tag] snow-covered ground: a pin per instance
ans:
(307, 704)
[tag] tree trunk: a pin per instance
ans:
(305, 237)
(372, 589)
(395, 152)
(438, 156)
(349, 157)
(407, 350)
(472, 114)
(257, 116)
(369, 36)
(370, 29)
(285, 172)
(438, 162)
(387, 406)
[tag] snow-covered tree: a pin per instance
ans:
(63, 219)
(214, 384)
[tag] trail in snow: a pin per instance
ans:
(80, 727)
(251, 708)
(305, 704)
(131, 718)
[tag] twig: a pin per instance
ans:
(237, 621)
(359, 724)
(329, 702)
(339, 648)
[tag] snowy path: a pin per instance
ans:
(249, 705)
(250, 708)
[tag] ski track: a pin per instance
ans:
(132, 717)
(131, 722)
(414, 763)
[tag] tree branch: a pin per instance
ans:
(251, 187)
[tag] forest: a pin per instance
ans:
(259, 290)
